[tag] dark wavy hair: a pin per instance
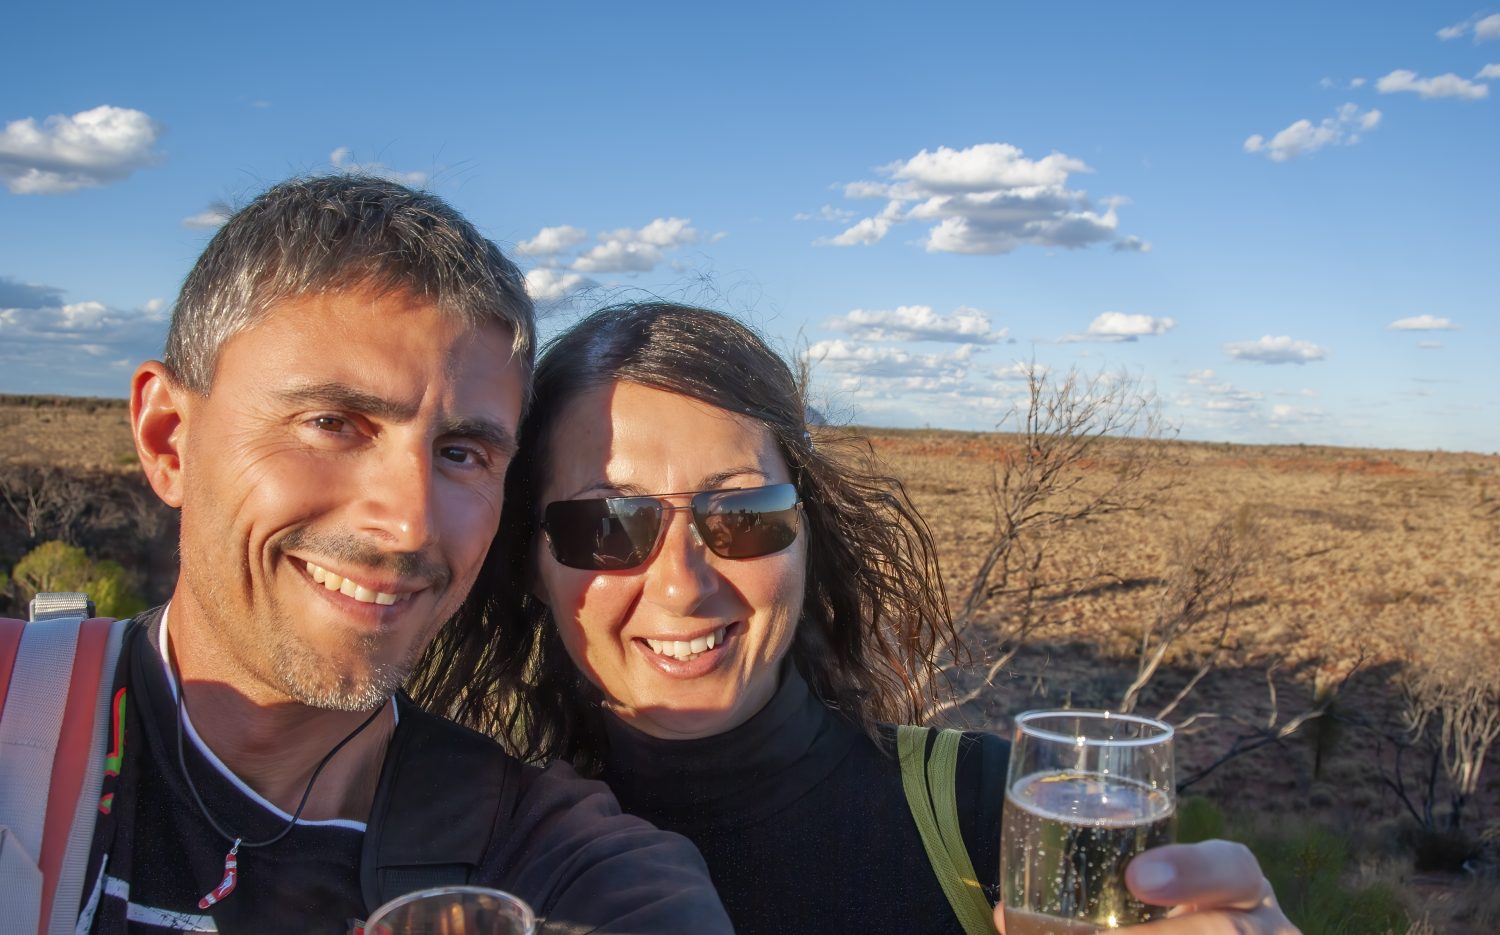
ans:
(874, 613)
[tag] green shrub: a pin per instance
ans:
(1198, 819)
(1306, 866)
(57, 566)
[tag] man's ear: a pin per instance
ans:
(158, 420)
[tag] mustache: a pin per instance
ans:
(357, 551)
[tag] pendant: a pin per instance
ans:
(231, 877)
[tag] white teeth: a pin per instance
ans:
(347, 587)
(682, 650)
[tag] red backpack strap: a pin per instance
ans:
(10, 642)
(75, 747)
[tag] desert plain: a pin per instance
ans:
(1352, 569)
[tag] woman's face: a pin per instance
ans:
(620, 627)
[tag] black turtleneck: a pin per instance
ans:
(802, 818)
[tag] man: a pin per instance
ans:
(338, 402)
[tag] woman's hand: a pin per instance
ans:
(1216, 888)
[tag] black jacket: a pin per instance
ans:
(803, 820)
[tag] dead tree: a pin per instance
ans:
(1275, 729)
(48, 502)
(1450, 692)
(1085, 447)
(1199, 599)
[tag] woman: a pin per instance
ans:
(722, 612)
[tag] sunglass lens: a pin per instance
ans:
(747, 523)
(602, 535)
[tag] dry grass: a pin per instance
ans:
(1360, 549)
(66, 432)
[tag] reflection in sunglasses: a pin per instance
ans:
(618, 533)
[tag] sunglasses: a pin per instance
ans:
(618, 533)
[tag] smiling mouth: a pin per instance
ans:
(684, 650)
(350, 588)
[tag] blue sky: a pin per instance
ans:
(1283, 217)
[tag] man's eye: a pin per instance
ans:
(460, 454)
(329, 423)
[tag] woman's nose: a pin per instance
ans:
(680, 577)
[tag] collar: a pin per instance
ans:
(162, 644)
(735, 778)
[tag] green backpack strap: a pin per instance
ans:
(929, 786)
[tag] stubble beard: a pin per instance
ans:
(269, 647)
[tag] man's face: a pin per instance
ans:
(341, 484)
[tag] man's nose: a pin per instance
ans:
(396, 499)
(680, 577)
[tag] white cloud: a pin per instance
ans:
(1488, 73)
(551, 240)
(892, 363)
(827, 213)
(1422, 323)
(1430, 345)
(343, 160)
(1020, 371)
(1285, 414)
(1303, 137)
(1232, 400)
(209, 218)
(919, 323)
(1119, 326)
(619, 256)
(986, 199)
(1326, 83)
(1269, 350)
(42, 336)
(624, 250)
(636, 251)
(1356, 82)
(549, 285)
(1200, 377)
(663, 232)
(63, 154)
(1483, 28)
(1449, 85)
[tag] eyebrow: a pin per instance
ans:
(711, 482)
(345, 397)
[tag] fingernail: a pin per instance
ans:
(1151, 873)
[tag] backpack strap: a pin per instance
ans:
(441, 789)
(929, 786)
(52, 725)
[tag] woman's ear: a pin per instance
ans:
(158, 421)
(534, 582)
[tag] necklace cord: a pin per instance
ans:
(306, 792)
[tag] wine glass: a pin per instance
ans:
(453, 910)
(1086, 792)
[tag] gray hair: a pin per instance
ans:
(323, 234)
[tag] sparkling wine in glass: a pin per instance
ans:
(1087, 791)
(453, 910)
